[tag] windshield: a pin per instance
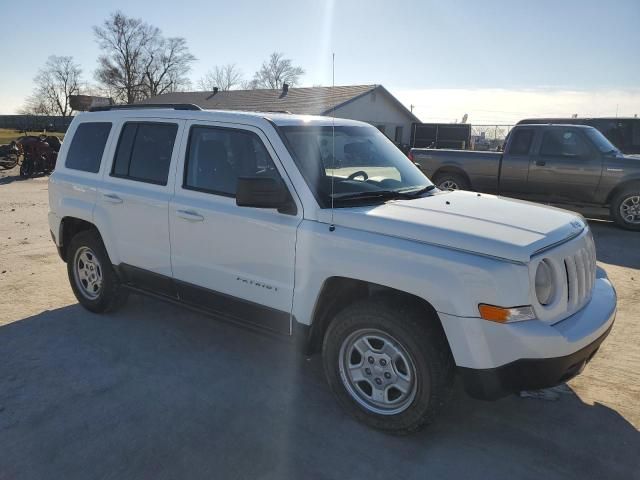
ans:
(361, 161)
(600, 141)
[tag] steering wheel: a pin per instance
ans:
(359, 173)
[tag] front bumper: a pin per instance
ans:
(496, 359)
(527, 374)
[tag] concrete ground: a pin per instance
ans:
(157, 391)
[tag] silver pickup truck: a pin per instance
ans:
(572, 165)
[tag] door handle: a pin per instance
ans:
(190, 215)
(541, 163)
(111, 198)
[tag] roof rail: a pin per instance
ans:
(274, 111)
(173, 106)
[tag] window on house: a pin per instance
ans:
(398, 136)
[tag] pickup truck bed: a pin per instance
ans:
(572, 165)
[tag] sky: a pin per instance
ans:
(496, 60)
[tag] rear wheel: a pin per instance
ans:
(388, 364)
(451, 181)
(625, 208)
(92, 277)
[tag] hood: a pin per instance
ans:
(478, 223)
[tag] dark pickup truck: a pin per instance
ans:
(572, 165)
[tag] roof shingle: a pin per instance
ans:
(307, 101)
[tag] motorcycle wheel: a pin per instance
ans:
(26, 169)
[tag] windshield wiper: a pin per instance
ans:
(420, 191)
(382, 195)
(368, 195)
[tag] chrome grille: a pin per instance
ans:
(574, 267)
(581, 274)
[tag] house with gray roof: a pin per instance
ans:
(368, 103)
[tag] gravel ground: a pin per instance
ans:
(157, 391)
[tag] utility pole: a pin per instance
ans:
(412, 105)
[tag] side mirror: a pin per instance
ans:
(262, 192)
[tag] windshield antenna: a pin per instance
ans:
(332, 227)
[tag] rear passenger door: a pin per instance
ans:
(133, 200)
(236, 261)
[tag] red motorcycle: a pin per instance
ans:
(39, 155)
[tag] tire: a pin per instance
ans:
(627, 202)
(421, 354)
(451, 181)
(26, 169)
(86, 248)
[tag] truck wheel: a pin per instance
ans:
(451, 181)
(625, 208)
(389, 364)
(92, 277)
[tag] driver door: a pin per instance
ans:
(566, 169)
(237, 261)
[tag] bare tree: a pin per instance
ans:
(55, 83)
(249, 84)
(168, 60)
(276, 71)
(35, 105)
(125, 43)
(225, 77)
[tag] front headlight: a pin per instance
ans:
(545, 288)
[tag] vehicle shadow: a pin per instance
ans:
(157, 391)
(615, 245)
(4, 180)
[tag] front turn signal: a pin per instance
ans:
(506, 315)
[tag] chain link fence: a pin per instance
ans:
(489, 137)
(35, 123)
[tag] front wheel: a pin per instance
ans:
(389, 364)
(92, 277)
(625, 208)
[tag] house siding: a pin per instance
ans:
(377, 109)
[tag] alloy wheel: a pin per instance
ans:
(87, 272)
(448, 185)
(630, 209)
(377, 372)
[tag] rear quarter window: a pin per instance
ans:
(87, 146)
(521, 142)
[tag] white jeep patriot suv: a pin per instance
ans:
(322, 229)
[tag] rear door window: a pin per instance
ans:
(144, 151)
(87, 146)
(521, 142)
